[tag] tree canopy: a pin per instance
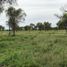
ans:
(62, 24)
(14, 15)
(7, 1)
(2, 2)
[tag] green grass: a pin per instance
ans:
(33, 49)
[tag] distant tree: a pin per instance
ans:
(43, 26)
(1, 28)
(15, 15)
(39, 26)
(47, 26)
(19, 28)
(54, 28)
(27, 27)
(35, 28)
(32, 26)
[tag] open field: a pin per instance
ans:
(34, 49)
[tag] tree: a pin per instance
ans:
(43, 26)
(27, 27)
(39, 26)
(15, 15)
(32, 26)
(62, 24)
(47, 25)
(19, 28)
(1, 28)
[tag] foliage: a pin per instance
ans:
(2, 2)
(14, 18)
(27, 28)
(47, 25)
(1, 28)
(32, 26)
(39, 26)
(62, 24)
(7, 1)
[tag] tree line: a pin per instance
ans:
(39, 26)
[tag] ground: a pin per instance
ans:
(33, 49)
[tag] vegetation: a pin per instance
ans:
(34, 49)
(46, 47)
(1, 28)
(39, 26)
(2, 2)
(7, 1)
(62, 24)
(14, 18)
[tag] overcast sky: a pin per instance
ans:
(39, 10)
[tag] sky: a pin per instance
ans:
(39, 11)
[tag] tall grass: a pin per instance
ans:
(34, 49)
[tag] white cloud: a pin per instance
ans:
(42, 10)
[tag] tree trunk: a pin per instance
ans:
(14, 30)
(9, 30)
(66, 29)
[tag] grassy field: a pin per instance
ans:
(34, 49)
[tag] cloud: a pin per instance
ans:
(42, 10)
